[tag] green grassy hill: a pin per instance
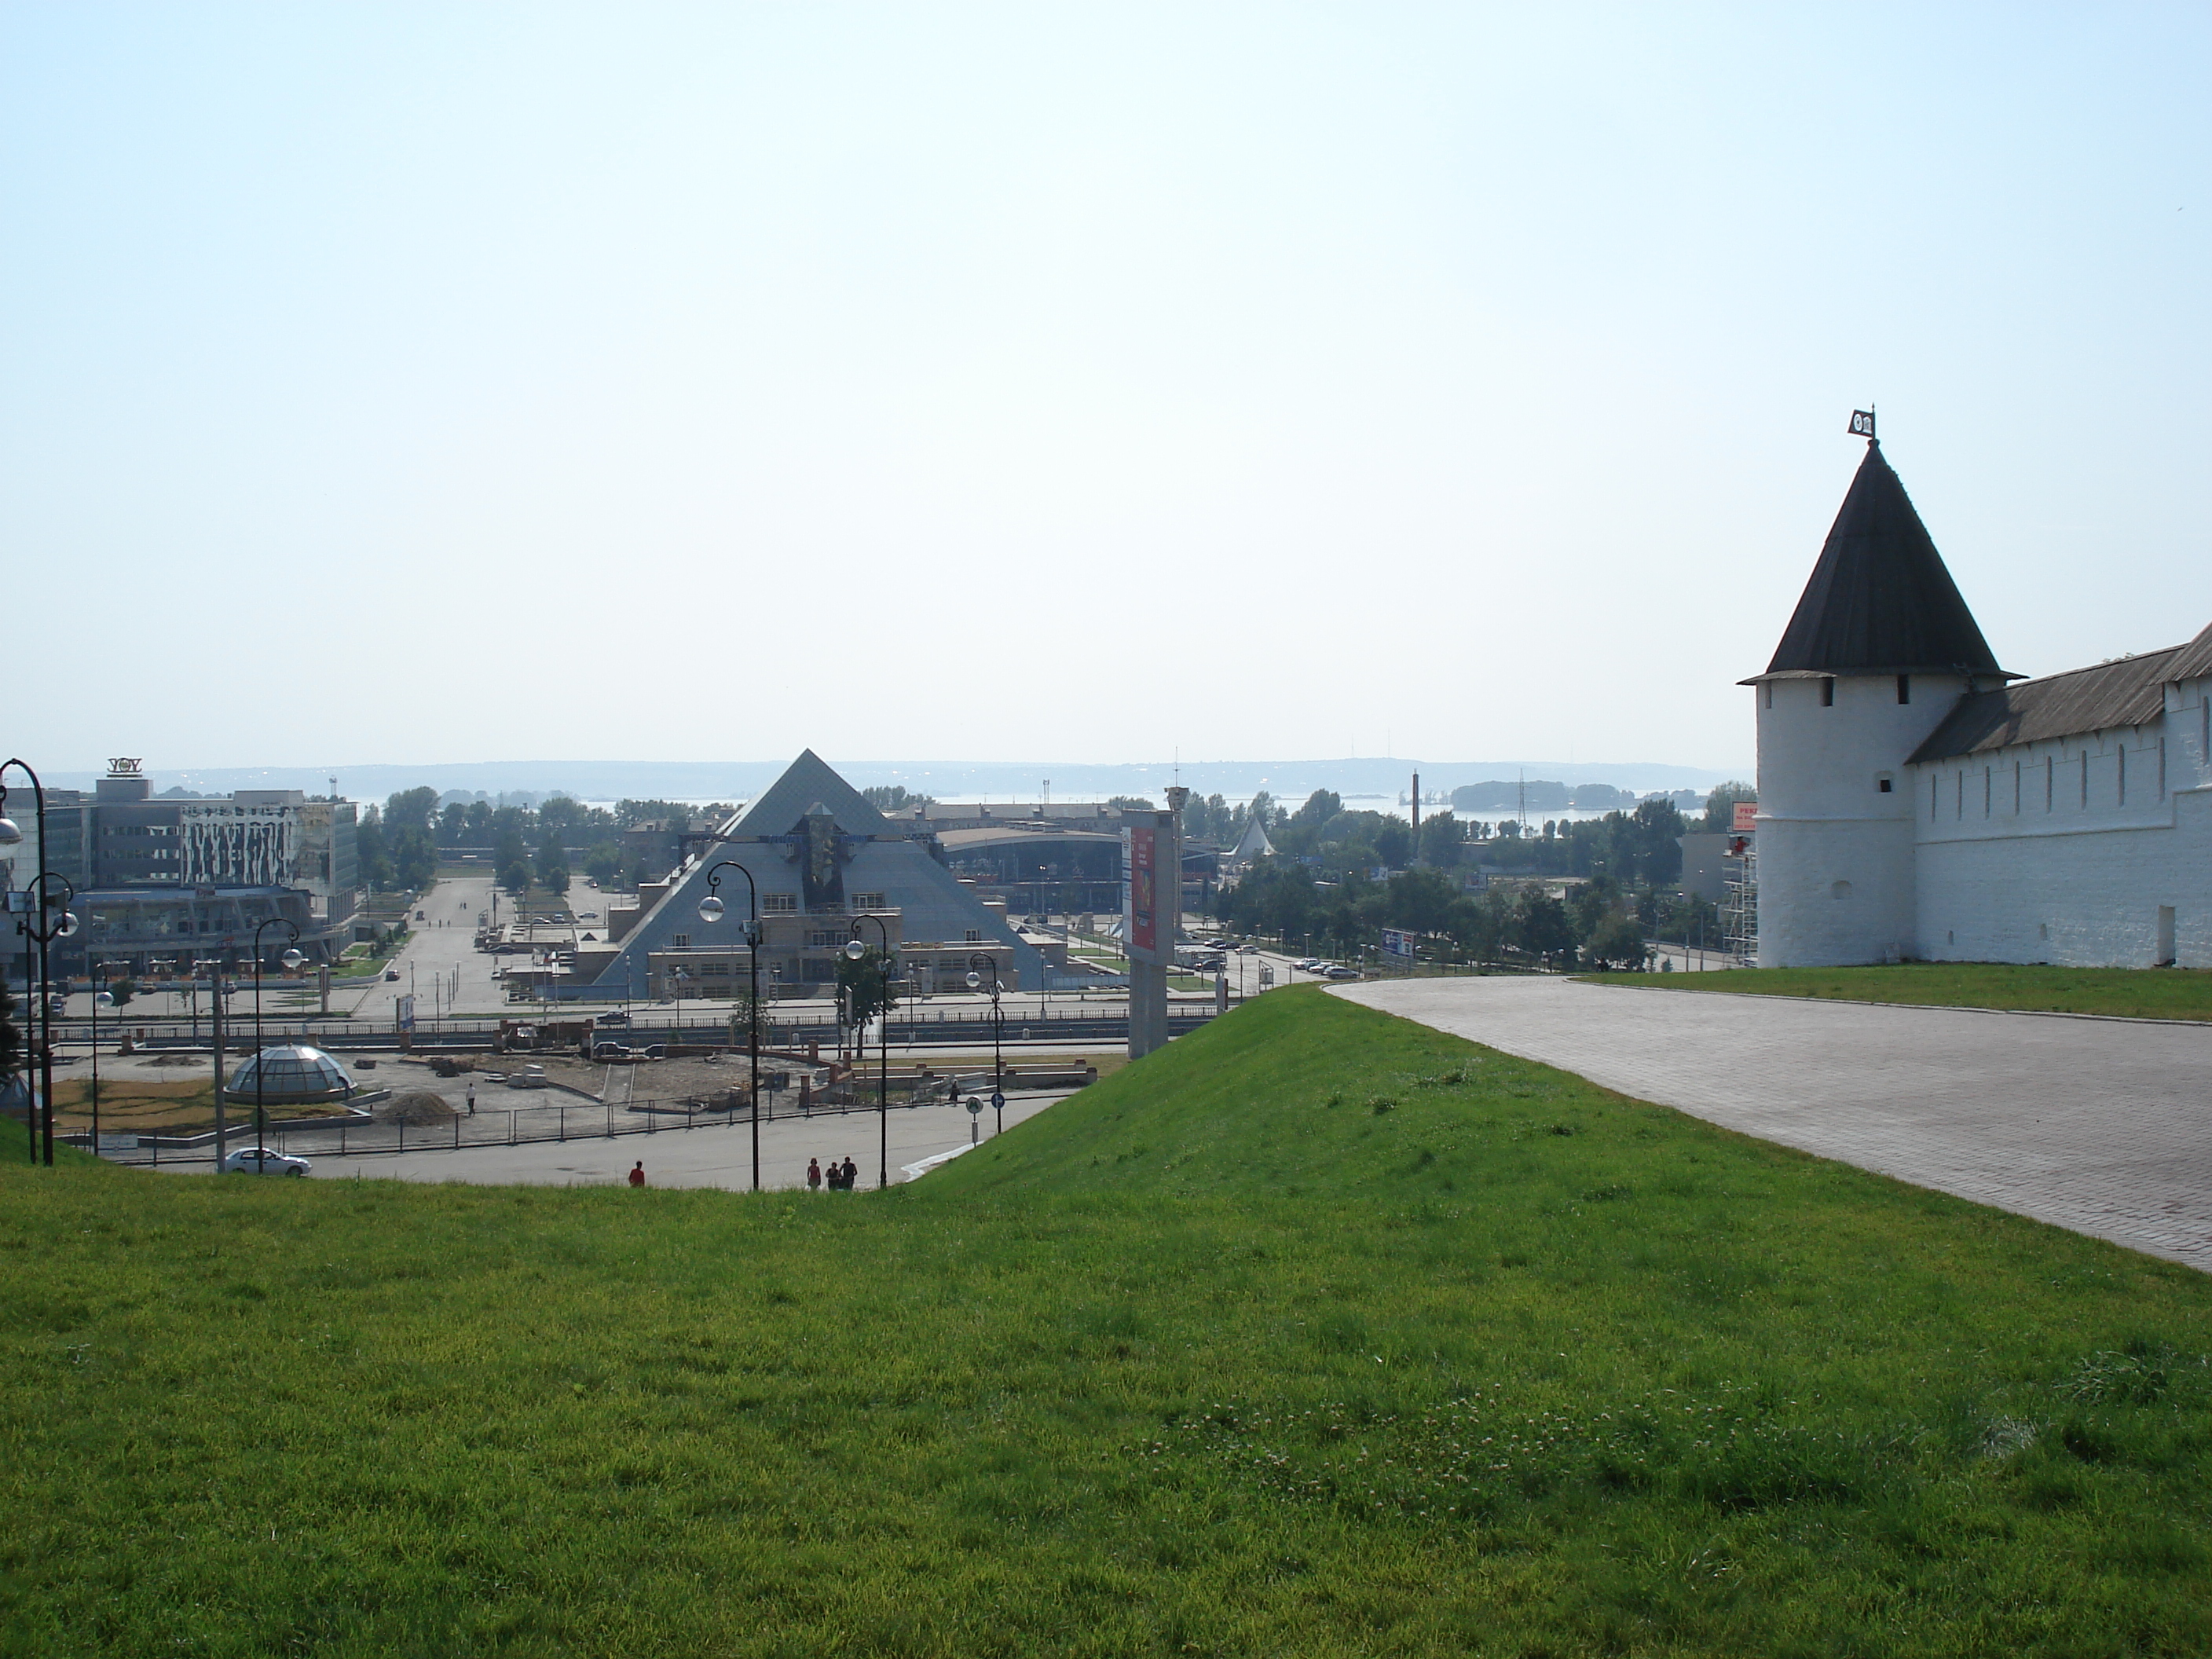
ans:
(1317, 1333)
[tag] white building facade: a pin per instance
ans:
(1916, 800)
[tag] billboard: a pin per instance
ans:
(1745, 819)
(1141, 927)
(1396, 942)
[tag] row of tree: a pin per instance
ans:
(398, 844)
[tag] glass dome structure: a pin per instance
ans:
(296, 1072)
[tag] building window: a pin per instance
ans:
(974, 936)
(778, 904)
(868, 901)
(1768, 688)
(1905, 688)
(1885, 786)
(679, 941)
(2120, 785)
(1827, 694)
(1989, 788)
(1959, 806)
(2050, 783)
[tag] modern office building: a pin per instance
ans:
(165, 881)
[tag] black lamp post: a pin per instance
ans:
(855, 952)
(978, 964)
(291, 958)
(42, 930)
(710, 910)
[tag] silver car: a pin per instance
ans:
(262, 1160)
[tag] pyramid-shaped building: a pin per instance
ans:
(825, 867)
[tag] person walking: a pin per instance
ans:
(852, 1173)
(813, 1174)
(637, 1173)
(472, 1099)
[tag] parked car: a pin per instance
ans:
(1340, 972)
(614, 1019)
(262, 1160)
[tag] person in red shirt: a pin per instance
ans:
(814, 1175)
(637, 1173)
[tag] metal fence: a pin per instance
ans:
(520, 1125)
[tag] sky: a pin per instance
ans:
(460, 382)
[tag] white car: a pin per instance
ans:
(261, 1160)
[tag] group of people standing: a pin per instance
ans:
(839, 1177)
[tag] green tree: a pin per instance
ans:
(1130, 804)
(553, 864)
(453, 825)
(410, 809)
(1444, 839)
(1616, 942)
(863, 986)
(1540, 926)
(1720, 805)
(515, 877)
(604, 863)
(1420, 900)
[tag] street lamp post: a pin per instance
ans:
(710, 910)
(976, 964)
(856, 951)
(291, 958)
(42, 930)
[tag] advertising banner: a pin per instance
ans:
(1744, 819)
(1141, 930)
(405, 1006)
(1397, 943)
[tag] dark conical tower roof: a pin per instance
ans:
(1879, 601)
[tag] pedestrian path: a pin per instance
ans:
(2103, 1127)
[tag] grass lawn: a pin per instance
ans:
(1317, 1333)
(2139, 992)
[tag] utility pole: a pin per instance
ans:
(1417, 821)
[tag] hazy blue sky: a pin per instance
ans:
(431, 383)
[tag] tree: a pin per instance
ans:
(1720, 805)
(453, 825)
(1130, 804)
(1616, 942)
(1442, 839)
(863, 986)
(1420, 900)
(1393, 842)
(604, 863)
(1540, 926)
(553, 864)
(515, 877)
(410, 809)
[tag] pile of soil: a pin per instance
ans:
(413, 1106)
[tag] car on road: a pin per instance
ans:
(263, 1160)
(391, 973)
(1339, 972)
(613, 1019)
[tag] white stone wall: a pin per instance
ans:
(1835, 851)
(2068, 851)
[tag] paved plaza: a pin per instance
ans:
(2101, 1125)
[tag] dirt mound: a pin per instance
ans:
(413, 1106)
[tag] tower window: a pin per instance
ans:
(1905, 688)
(1827, 694)
(1885, 786)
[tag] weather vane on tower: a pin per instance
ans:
(1863, 425)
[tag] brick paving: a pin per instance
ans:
(2103, 1127)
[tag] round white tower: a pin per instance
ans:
(1879, 651)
